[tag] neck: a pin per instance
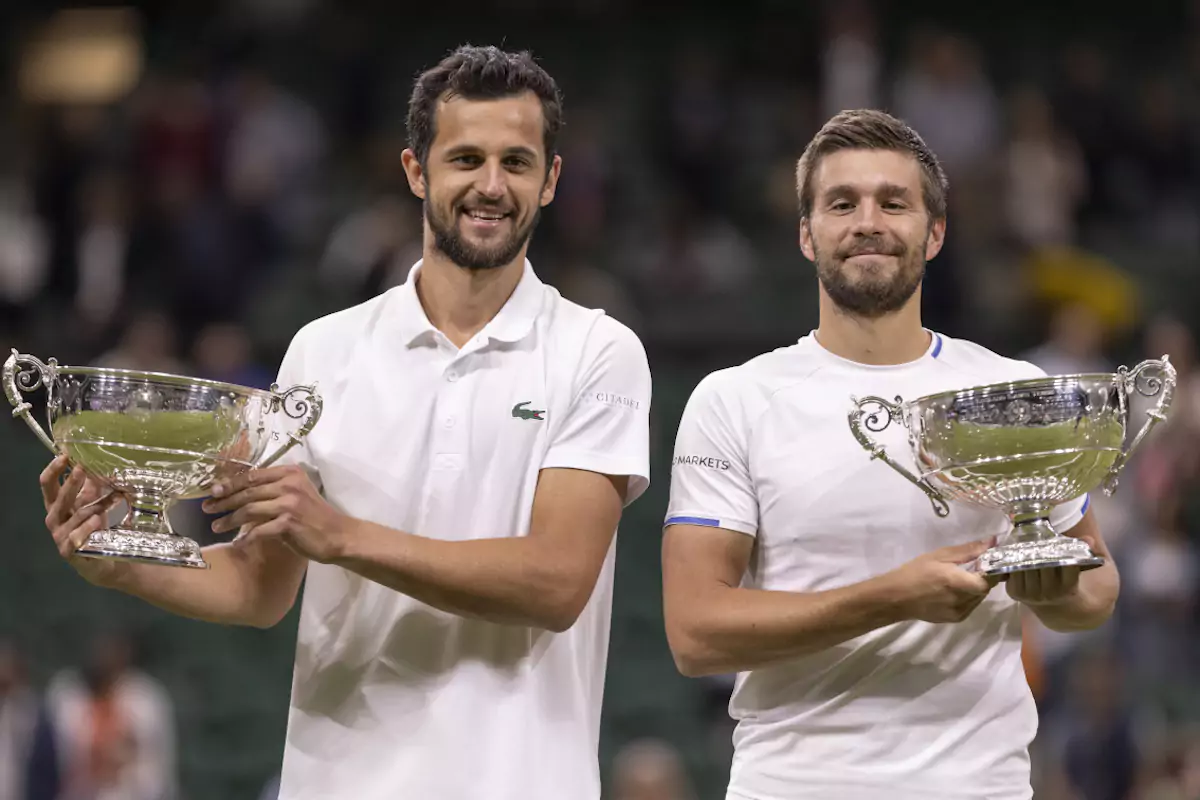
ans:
(460, 302)
(895, 338)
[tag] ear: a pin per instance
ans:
(551, 184)
(806, 242)
(937, 237)
(414, 172)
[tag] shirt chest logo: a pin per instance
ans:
(520, 412)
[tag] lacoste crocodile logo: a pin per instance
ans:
(520, 412)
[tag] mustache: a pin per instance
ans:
(485, 204)
(872, 245)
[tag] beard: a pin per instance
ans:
(449, 240)
(873, 294)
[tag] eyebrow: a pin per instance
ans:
(884, 190)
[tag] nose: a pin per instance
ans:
(868, 219)
(492, 182)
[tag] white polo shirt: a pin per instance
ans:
(912, 710)
(393, 699)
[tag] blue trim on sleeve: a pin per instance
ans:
(712, 523)
(1087, 501)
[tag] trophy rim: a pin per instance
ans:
(169, 378)
(1002, 386)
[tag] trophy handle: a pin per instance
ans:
(863, 424)
(298, 402)
(24, 373)
(1149, 378)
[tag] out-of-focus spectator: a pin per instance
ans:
(1043, 172)
(174, 131)
(947, 97)
(694, 253)
(223, 351)
(70, 149)
(23, 254)
(695, 127)
(593, 287)
(149, 342)
(1086, 102)
(373, 248)
(1162, 595)
(1170, 336)
(1170, 457)
(1100, 754)
(1162, 186)
(1075, 343)
(28, 768)
(851, 61)
(102, 250)
(1174, 773)
(649, 769)
(1056, 277)
(581, 204)
(273, 150)
(115, 727)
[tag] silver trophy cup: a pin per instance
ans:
(155, 438)
(1021, 448)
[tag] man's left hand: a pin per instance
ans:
(1042, 587)
(279, 503)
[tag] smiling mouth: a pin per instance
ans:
(484, 216)
(870, 253)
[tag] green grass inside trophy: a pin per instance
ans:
(1023, 448)
(156, 439)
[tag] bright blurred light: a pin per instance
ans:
(83, 56)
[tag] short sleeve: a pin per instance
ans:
(607, 424)
(710, 473)
(292, 372)
(1067, 515)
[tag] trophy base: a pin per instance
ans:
(1059, 551)
(164, 549)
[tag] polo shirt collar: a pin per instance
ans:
(512, 323)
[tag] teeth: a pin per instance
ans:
(481, 215)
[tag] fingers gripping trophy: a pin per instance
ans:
(155, 438)
(1022, 448)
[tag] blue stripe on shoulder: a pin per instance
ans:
(712, 523)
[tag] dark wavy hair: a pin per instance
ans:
(481, 73)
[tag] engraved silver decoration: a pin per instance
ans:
(155, 438)
(1021, 447)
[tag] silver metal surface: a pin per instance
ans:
(1021, 447)
(155, 438)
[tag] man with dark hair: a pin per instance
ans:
(454, 509)
(819, 575)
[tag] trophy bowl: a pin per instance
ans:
(1022, 448)
(156, 439)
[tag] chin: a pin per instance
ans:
(873, 265)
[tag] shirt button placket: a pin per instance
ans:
(450, 433)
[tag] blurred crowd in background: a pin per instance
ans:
(183, 186)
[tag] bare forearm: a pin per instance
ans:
(735, 629)
(505, 580)
(230, 592)
(1089, 606)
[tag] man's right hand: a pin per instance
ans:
(936, 587)
(75, 509)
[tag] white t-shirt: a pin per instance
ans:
(394, 699)
(912, 710)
